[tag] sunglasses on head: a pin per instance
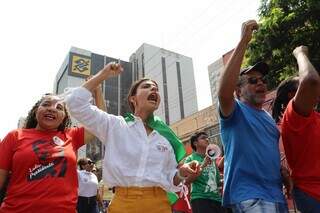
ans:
(255, 80)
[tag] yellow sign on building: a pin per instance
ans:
(80, 65)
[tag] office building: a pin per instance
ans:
(214, 71)
(175, 77)
(78, 65)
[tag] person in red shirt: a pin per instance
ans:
(42, 160)
(300, 134)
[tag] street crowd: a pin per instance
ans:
(145, 167)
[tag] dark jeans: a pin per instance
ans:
(304, 202)
(207, 206)
(87, 204)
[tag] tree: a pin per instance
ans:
(283, 25)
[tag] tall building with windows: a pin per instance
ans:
(78, 65)
(214, 71)
(175, 77)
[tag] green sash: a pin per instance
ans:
(164, 130)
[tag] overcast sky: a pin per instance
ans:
(36, 36)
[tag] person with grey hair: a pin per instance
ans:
(252, 179)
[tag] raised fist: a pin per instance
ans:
(299, 50)
(112, 69)
(247, 29)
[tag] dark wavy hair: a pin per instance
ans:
(194, 138)
(133, 90)
(31, 120)
(282, 98)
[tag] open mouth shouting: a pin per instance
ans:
(153, 97)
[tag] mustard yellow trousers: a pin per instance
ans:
(139, 200)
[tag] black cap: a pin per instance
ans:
(261, 67)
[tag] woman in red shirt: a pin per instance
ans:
(42, 160)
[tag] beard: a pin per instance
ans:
(254, 98)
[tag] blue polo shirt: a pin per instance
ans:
(252, 161)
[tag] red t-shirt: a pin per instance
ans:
(301, 142)
(43, 166)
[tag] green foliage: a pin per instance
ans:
(284, 25)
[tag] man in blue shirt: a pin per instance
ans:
(252, 180)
